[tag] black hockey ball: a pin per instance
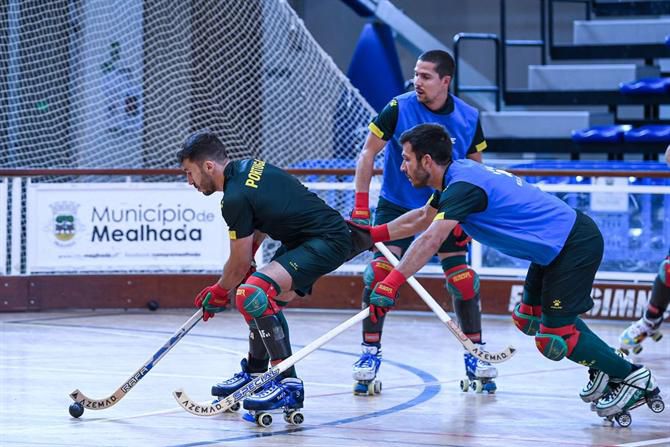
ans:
(153, 304)
(76, 409)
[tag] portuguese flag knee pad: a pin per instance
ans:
(527, 318)
(255, 298)
(556, 342)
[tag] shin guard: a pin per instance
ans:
(463, 286)
(276, 340)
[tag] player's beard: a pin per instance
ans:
(207, 186)
(419, 177)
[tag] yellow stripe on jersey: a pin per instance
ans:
(481, 146)
(232, 234)
(439, 216)
(376, 131)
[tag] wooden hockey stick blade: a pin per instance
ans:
(476, 350)
(218, 407)
(103, 404)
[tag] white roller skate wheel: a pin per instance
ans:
(264, 419)
(371, 389)
(477, 385)
(656, 405)
(296, 418)
(623, 419)
(236, 406)
(377, 387)
(465, 385)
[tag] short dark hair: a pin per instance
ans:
(202, 145)
(429, 139)
(444, 63)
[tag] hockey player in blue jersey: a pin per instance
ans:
(565, 248)
(430, 102)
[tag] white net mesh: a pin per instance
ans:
(101, 83)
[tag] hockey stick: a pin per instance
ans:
(217, 407)
(102, 404)
(477, 351)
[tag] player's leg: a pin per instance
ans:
(649, 325)
(297, 269)
(364, 370)
(462, 283)
(566, 293)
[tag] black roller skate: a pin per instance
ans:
(285, 397)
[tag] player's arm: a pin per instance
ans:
(239, 262)
(412, 222)
(478, 145)
(381, 130)
(425, 246)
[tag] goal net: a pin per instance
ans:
(120, 84)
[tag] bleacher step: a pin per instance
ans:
(585, 77)
(533, 124)
(629, 31)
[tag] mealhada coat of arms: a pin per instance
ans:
(64, 223)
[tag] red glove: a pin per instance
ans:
(212, 299)
(461, 239)
(361, 212)
(385, 294)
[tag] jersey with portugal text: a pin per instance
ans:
(260, 196)
(505, 212)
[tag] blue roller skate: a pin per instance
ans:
(365, 371)
(631, 339)
(224, 389)
(480, 375)
(286, 397)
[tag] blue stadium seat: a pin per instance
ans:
(667, 39)
(651, 132)
(645, 86)
(601, 134)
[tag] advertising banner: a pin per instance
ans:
(124, 227)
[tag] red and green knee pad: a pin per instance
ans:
(374, 273)
(555, 343)
(463, 286)
(255, 297)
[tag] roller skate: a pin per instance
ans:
(365, 371)
(285, 397)
(631, 339)
(224, 389)
(480, 375)
(597, 386)
(636, 389)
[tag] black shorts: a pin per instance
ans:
(309, 260)
(563, 288)
(387, 211)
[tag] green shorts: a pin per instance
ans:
(307, 261)
(563, 288)
(387, 211)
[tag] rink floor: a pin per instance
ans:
(45, 356)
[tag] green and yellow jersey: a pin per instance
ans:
(260, 196)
